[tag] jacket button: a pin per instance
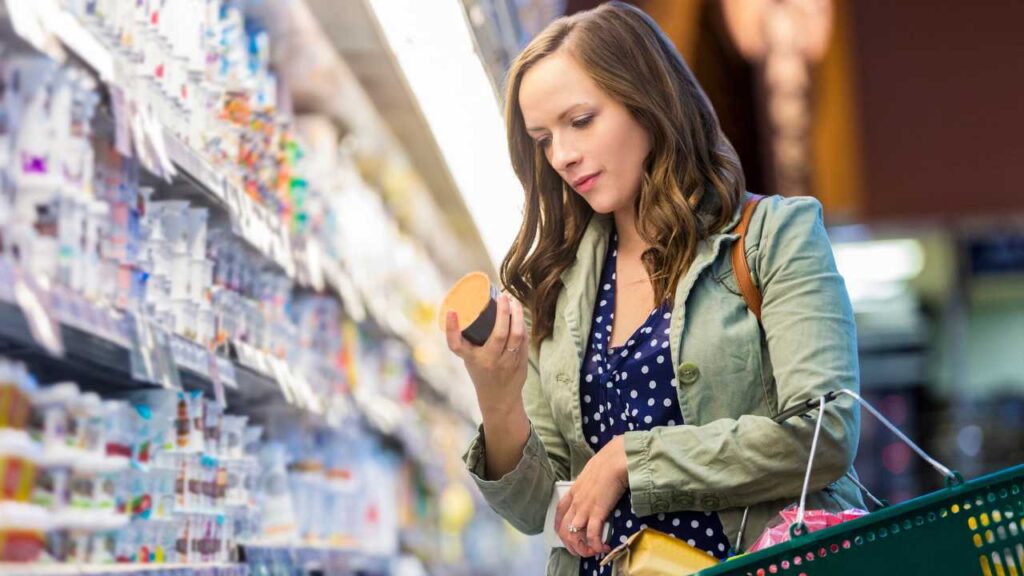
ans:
(710, 502)
(689, 373)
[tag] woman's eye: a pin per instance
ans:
(582, 122)
(543, 142)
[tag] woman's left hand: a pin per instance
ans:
(591, 499)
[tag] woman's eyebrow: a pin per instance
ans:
(560, 116)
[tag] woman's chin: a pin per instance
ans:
(602, 207)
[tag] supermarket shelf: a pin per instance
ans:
(104, 363)
(378, 101)
(258, 227)
(266, 233)
(322, 558)
(11, 568)
(99, 364)
(200, 182)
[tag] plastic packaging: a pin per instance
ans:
(815, 520)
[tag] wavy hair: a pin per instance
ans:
(692, 182)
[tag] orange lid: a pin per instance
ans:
(468, 298)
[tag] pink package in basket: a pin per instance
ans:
(814, 520)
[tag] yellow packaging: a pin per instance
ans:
(17, 476)
(14, 407)
(653, 553)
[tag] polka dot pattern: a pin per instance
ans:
(613, 403)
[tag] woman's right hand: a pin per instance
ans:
(498, 368)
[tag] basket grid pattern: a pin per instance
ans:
(972, 529)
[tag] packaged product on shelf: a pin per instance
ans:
(84, 422)
(51, 489)
(232, 436)
(22, 531)
(16, 386)
(19, 460)
(23, 523)
(95, 478)
(166, 475)
(50, 421)
(115, 245)
(49, 427)
(33, 171)
(197, 407)
(119, 429)
(278, 518)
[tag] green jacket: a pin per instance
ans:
(731, 381)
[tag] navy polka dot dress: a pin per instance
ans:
(633, 387)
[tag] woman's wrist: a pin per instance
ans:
(506, 416)
(505, 436)
(621, 462)
(501, 406)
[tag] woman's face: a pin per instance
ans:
(590, 139)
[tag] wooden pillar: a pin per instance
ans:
(836, 139)
(680, 20)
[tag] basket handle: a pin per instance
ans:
(798, 527)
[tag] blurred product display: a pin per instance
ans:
(219, 344)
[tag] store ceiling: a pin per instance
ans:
(352, 29)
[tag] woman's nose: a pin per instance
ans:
(563, 155)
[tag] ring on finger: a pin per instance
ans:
(573, 529)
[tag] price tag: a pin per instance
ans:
(90, 317)
(124, 330)
(151, 358)
(108, 321)
(280, 373)
(142, 360)
(213, 369)
(7, 280)
(264, 362)
(350, 297)
(60, 305)
(247, 357)
(314, 264)
(186, 354)
(142, 150)
(28, 23)
(226, 368)
(233, 198)
(167, 373)
(299, 389)
(33, 301)
(155, 131)
(260, 231)
(287, 257)
(312, 402)
(122, 128)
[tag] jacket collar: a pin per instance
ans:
(580, 280)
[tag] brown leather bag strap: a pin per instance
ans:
(744, 280)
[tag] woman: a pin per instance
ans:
(643, 376)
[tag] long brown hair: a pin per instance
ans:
(692, 182)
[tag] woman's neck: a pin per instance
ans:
(630, 243)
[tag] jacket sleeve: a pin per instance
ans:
(522, 495)
(811, 337)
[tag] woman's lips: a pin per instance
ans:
(586, 183)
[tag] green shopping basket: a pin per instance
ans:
(965, 529)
